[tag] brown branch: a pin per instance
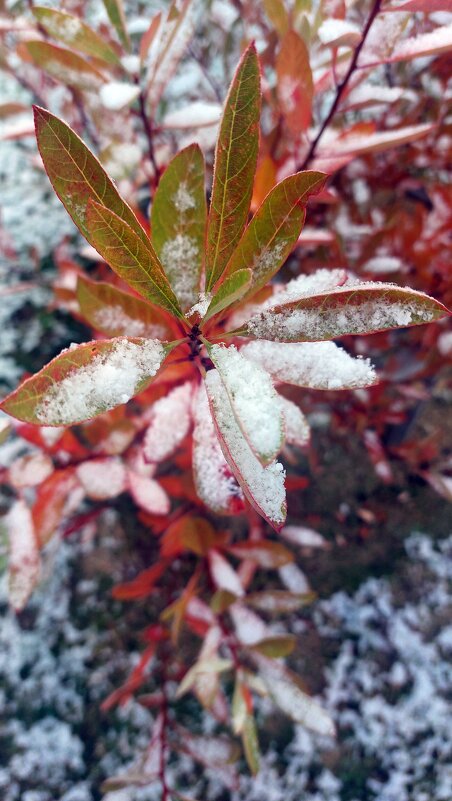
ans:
(341, 87)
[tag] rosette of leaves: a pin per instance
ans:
(202, 295)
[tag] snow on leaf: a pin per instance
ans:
(178, 223)
(233, 173)
(358, 143)
(172, 39)
(214, 480)
(30, 470)
(294, 82)
(317, 365)
(134, 261)
(249, 627)
(209, 751)
(263, 486)
(102, 478)
(265, 553)
(62, 64)
(170, 422)
(254, 401)
(148, 494)
(24, 563)
(284, 687)
(116, 313)
(223, 574)
(232, 289)
(339, 33)
(73, 32)
(278, 601)
(194, 115)
(431, 43)
(296, 427)
(76, 174)
(363, 309)
(274, 229)
(85, 380)
(116, 95)
(305, 537)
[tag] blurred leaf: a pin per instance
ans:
(63, 65)
(277, 14)
(275, 647)
(75, 33)
(178, 223)
(116, 16)
(294, 86)
(265, 553)
(251, 744)
(278, 601)
(175, 34)
(235, 166)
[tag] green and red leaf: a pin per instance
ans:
(233, 288)
(235, 166)
(75, 33)
(62, 64)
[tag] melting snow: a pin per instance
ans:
(318, 365)
(110, 379)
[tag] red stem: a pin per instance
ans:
(341, 87)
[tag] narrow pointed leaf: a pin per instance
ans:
(174, 36)
(235, 166)
(263, 486)
(76, 175)
(275, 228)
(116, 313)
(115, 11)
(24, 566)
(75, 33)
(265, 553)
(178, 223)
(294, 86)
(254, 401)
(278, 601)
(85, 380)
(134, 262)
(251, 744)
(363, 309)
(62, 64)
(275, 647)
(232, 289)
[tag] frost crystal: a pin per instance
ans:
(318, 365)
(114, 318)
(254, 400)
(215, 484)
(179, 257)
(170, 423)
(110, 379)
(263, 485)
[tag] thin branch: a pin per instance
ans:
(149, 135)
(341, 87)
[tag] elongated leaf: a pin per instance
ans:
(116, 313)
(76, 175)
(233, 288)
(294, 82)
(116, 16)
(75, 33)
(277, 601)
(431, 43)
(263, 486)
(266, 553)
(364, 309)
(359, 142)
(62, 64)
(24, 566)
(134, 262)
(178, 223)
(251, 744)
(175, 34)
(277, 14)
(254, 401)
(85, 380)
(53, 499)
(235, 166)
(275, 647)
(275, 228)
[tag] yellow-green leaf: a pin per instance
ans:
(62, 64)
(135, 262)
(85, 380)
(235, 166)
(232, 289)
(251, 744)
(178, 223)
(75, 33)
(116, 313)
(76, 175)
(274, 229)
(117, 18)
(275, 647)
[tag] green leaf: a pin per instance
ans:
(75, 33)
(274, 229)
(275, 647)
(134, 262)
(235, 166)
(363, 309)
(85, 380)
(233, 288)
(76, 175)
(178, 223)
(65, 66)
(265, 553)
(251, 744)
(116, 313)
(115, 11)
